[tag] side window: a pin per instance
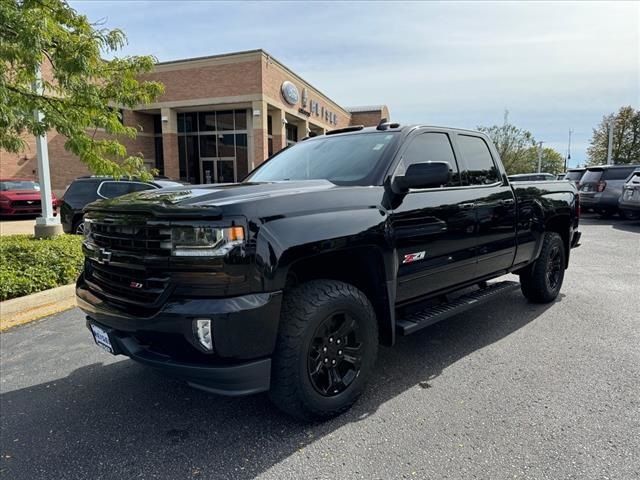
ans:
(138, 187)
(114, 189)
(433, 147)
(475, 154)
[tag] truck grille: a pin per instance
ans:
(126, 286)
(136, 238)
(120, 273)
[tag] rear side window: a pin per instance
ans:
(476, 155)
(82, 190)
(433, 147)
(618, 173)
(117, 189)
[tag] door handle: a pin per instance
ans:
(507, 201)
(467, 206)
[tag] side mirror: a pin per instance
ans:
(422, 175)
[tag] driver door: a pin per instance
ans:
(433, 228)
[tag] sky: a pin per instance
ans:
(554, 66)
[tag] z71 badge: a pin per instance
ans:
(412, 257)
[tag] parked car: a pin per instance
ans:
(21, 197)
(629, 202)
(289, 280)
(574, 175)
(85, 190)
(601, 187)
(532, 177)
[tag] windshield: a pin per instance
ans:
(348, 159)
(19, 185)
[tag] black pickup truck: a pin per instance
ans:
(290, 280)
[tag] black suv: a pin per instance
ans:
(85, 190)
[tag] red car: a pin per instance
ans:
(21, 196)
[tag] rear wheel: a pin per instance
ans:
(629, 214)
(541, 282)
(326, 349)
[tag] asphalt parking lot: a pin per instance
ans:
(511, 390)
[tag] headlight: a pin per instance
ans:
(86, 228)
(205, 241)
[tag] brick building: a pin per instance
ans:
(219, 117)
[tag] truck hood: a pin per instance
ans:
(208, 200)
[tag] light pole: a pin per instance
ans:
(540, 157)
(46, 224)
(610, 146)
(568, 157)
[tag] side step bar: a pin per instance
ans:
(419, 320)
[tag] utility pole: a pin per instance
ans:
(610, 147)
(46, 224)
(568, 157)
(540, 157)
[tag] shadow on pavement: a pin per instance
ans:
(124, 421)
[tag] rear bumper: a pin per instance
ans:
(244, 335)
(598, 201)
(631, 206)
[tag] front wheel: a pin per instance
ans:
(541, 282)
(326, 349)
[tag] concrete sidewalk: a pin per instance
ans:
(17, 227)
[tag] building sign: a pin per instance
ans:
(290, 92)
(291, 96)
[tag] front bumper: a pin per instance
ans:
(244, 335)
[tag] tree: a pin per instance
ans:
(519, 151)
(81, 91)
(626, 138)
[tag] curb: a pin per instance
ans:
(19, 311)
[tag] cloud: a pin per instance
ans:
(554, 65)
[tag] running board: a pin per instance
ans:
(419, 320)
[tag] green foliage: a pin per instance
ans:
(28, 265)
(626, 138)
(83, 91)
(519, 151)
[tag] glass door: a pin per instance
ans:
(207, 170)
(225, 170)
(218, 170)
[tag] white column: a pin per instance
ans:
(46, 224)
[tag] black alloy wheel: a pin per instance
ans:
(335, 354)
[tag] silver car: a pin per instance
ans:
(629, 202)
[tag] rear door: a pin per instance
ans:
(494, 204)
(433, 228)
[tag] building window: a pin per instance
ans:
(213, 142)
(292, 134)
(270, 135)
(157, 137)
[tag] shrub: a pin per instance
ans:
(28, 265)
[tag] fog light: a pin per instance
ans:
(203, 332)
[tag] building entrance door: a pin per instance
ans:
(217, 170)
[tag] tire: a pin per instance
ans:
(629, 214)
(78, 227)
(606, 214)
(314, 317)
(542, 281)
